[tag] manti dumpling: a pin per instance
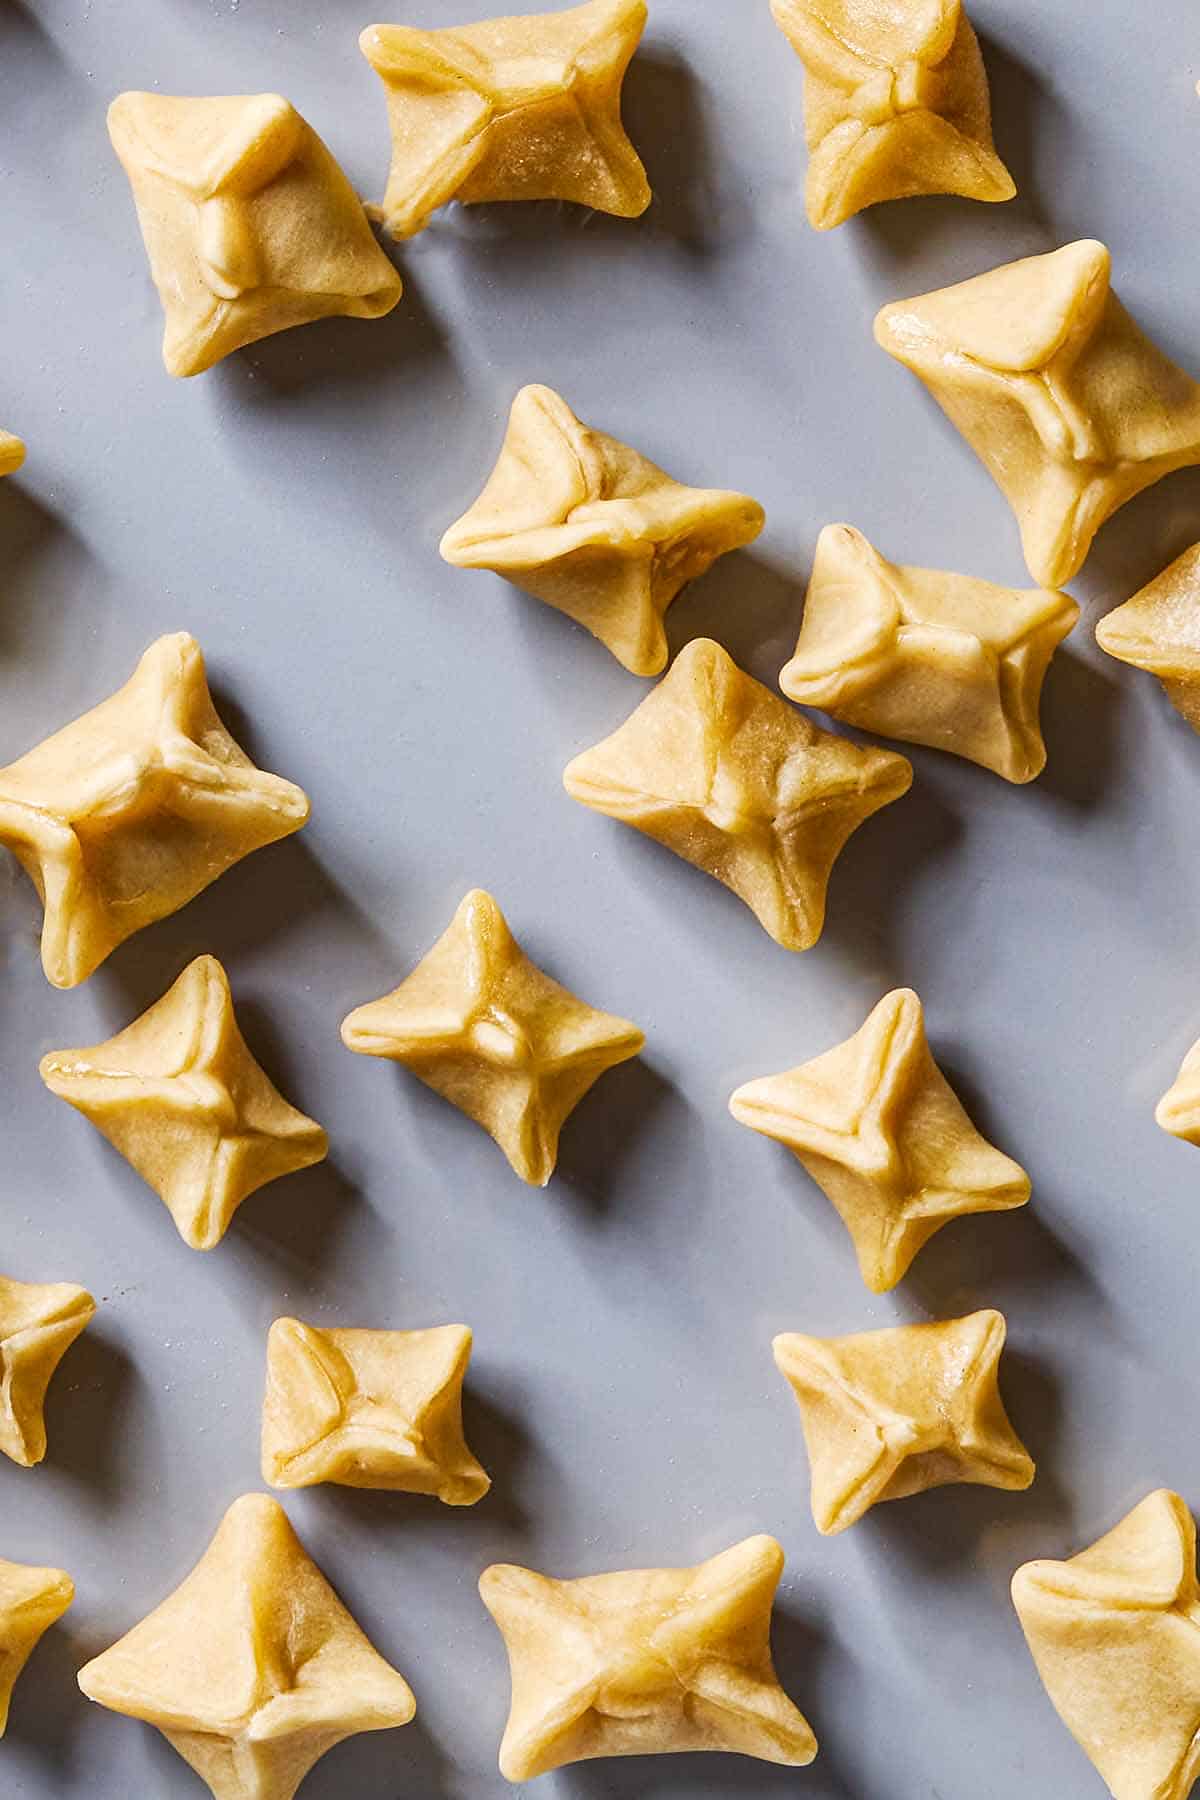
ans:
(1159, 630)
(250, 225)
(483, 1026)
(1068, 405)
(31, 1601)
(180, 1095)
(125, 815)
(882, 1133)
(1115, 1634)
(593, 528)
(731, 778)
(891, 1413)
(369, 1409)
(926, 655)
(252, 1669)
(895, 103)
(39, 1321)
(644, 1661)
(525, 108)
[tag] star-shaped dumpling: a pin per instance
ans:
(926, 655)
(1115, 1634)
(39, 1321)
(645, 1661)
(884, 1136)
(591, 527)
(522, 108)
(731, 778)
(1179, 1109)
(1159, 630)
(12, 453)
(485, 1028)
(369, 1409)
(1069, 406)
(250, 225)
(180, 1096)
(31, 1600)
(128, 813)
(253, 1668)
(891, 1413)
(895, 103)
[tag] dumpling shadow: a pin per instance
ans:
(1019, 99)
(606, 1128)
(48, 1710)
(887, 853)
(664, 115)
(257, 900)
(37, 612)
(1081, 704)
(86, 1403)
(336, 352)
(400, 1762)
(496, 1432)
(747, 603)
(297, 1223)
(1140, 539)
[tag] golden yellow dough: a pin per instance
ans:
(645, 1661)
(1115, 1634)
(1068, 405)
(485, 1028)
(39, 1321)
(731, 778)
(591, 527)
(1179, 1109)
(31, 1600)
(881, 1132)
(927, 656)
(895, 103)
(369, 1409)
(1159, 630)
(180, 1096)
(524, 108)
(12, 453)
(252, 1669)
(131, 811)
(250, 225)
(892, 1413)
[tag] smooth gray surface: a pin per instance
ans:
(286, 508)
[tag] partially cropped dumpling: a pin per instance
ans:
(594, 528)
(31, 1601)
(926, 655)
(12, 453)
(1159, 630)
(524, 108)
(895, 103)
(249, 223)
(1066, 402)
(1115, 1634)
